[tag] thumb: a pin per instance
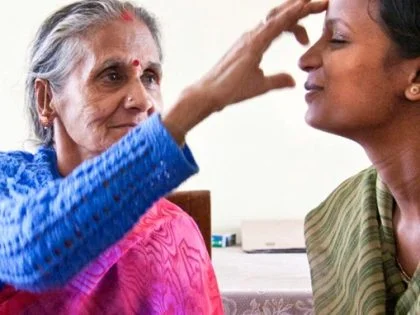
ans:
(279, 81)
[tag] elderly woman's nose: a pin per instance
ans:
(139, 98)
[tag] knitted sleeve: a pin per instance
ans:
(48, 235)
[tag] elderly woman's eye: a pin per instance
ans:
(113, 76)
(150, 78)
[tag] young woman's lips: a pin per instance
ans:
(312, 87)
(313, 90)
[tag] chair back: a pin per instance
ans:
(197, 204)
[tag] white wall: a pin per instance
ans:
(260, 160)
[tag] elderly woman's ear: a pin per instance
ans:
(44, 99)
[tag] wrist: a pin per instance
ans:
(191, 108)
(202, 102)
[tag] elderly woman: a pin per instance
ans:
(69, 214)
(95, 75)
(363, 242)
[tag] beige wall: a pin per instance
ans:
(259, 160)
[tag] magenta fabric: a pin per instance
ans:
(160, 267)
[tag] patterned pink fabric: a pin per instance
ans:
(160, 267)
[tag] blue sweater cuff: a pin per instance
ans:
(182, 157)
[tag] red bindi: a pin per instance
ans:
(127, 16)
(136, 63)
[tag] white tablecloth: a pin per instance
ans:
(269, 284)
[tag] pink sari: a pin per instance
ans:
(160, 267)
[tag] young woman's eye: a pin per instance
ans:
(338, 41)
(336, 38)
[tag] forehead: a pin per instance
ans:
(360, 21)
(348, 6)
(124, 40)
(359, 14)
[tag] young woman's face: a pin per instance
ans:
(114, 88)
(356, 78)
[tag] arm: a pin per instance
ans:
(56, 231)
(59, 229)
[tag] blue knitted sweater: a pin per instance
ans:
(51, 227)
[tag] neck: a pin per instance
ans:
(396, 156)
(69, 154)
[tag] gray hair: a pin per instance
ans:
(56, 47)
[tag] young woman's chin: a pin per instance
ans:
(318, 121)
(314, 119)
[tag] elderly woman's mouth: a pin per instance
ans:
(122, 126)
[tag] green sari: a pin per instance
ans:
(351, 251)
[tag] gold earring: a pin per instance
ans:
(415, 89)
(45, 122)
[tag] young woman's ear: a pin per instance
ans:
(412, 92)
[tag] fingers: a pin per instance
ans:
(310, 7)
(279, 20)
(279, 81)
(285, 17)
(275, 11)
(300, 34)
(241, 64)
(314, 7)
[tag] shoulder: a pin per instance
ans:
(346, 197)
(11, 161)
(335, 223)
(15, 157)
(354, 185)
(21, 170)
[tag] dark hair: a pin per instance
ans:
(56, 47)
(401, 19)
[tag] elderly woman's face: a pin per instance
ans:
(115, 87)
(355, 75)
